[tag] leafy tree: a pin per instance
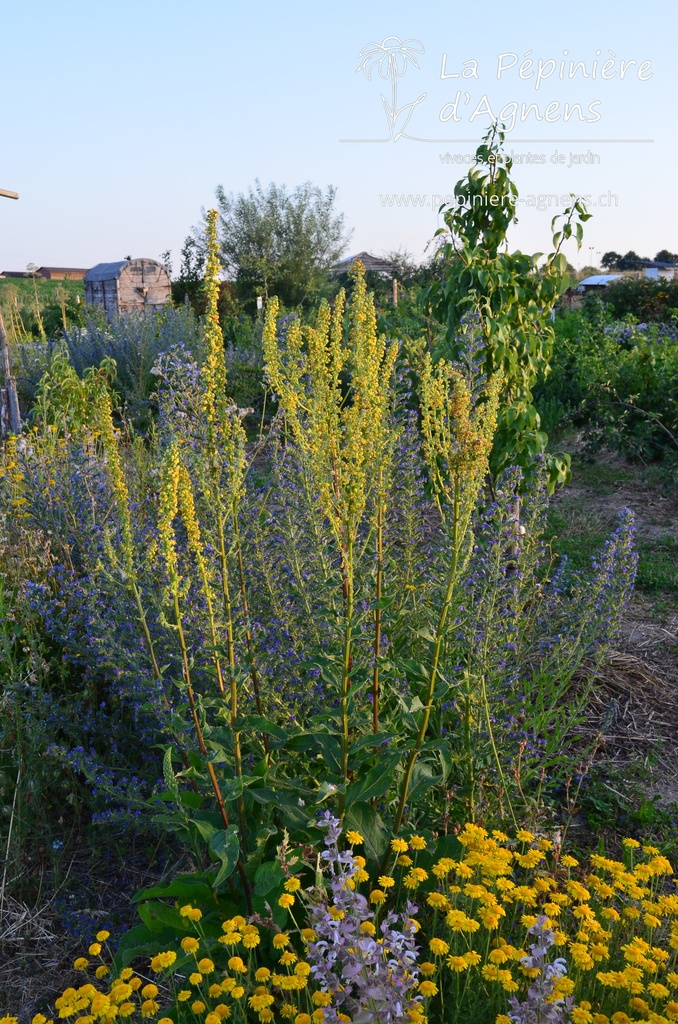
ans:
(277, 242)
(664, 256)
(630, 261)
(611, 260)
(507, 297)
(189, 286)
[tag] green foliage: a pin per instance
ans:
(189, 286)
(458, 929)
(647, 299)
(280, 242)
(614, 261)
(34, 308)
(510, 294)
(615, 379)
(301, 643)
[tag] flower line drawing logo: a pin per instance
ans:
(391, 58)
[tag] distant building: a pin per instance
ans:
(50, 273)
(372, 265)
(128, 284)
(657, 270)
(597, 282)
(62, 273)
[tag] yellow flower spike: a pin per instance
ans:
(214, 368)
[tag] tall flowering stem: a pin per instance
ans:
(225, 471)
(343, 438)
(104, 418)
(173, 494)
(457, 437)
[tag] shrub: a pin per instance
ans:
(364, 626)
(617, 380)
(646, 299)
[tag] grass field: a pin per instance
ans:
(33, 306)
(582, 515)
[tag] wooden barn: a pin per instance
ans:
(128, 284)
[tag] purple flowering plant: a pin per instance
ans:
(341, 615)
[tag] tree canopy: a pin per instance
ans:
(280, 242)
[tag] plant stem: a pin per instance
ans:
(248, 632)
(347, 572)
(435, 661)
(154, 663)
(377, 613)
(230, 645)
(201, 739)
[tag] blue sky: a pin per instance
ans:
(119, 120)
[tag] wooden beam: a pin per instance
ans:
(8, 194)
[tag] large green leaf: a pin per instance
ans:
(364, 819)
(376, 781)
(225, 847)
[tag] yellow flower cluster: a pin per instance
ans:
(615, 923)
(343, 438)
(499, 888)
(457, 433)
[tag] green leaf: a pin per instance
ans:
(376, 781)
(364, 819)
(269, 876)
(156, 915)
(225, 847)
(187, 889)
